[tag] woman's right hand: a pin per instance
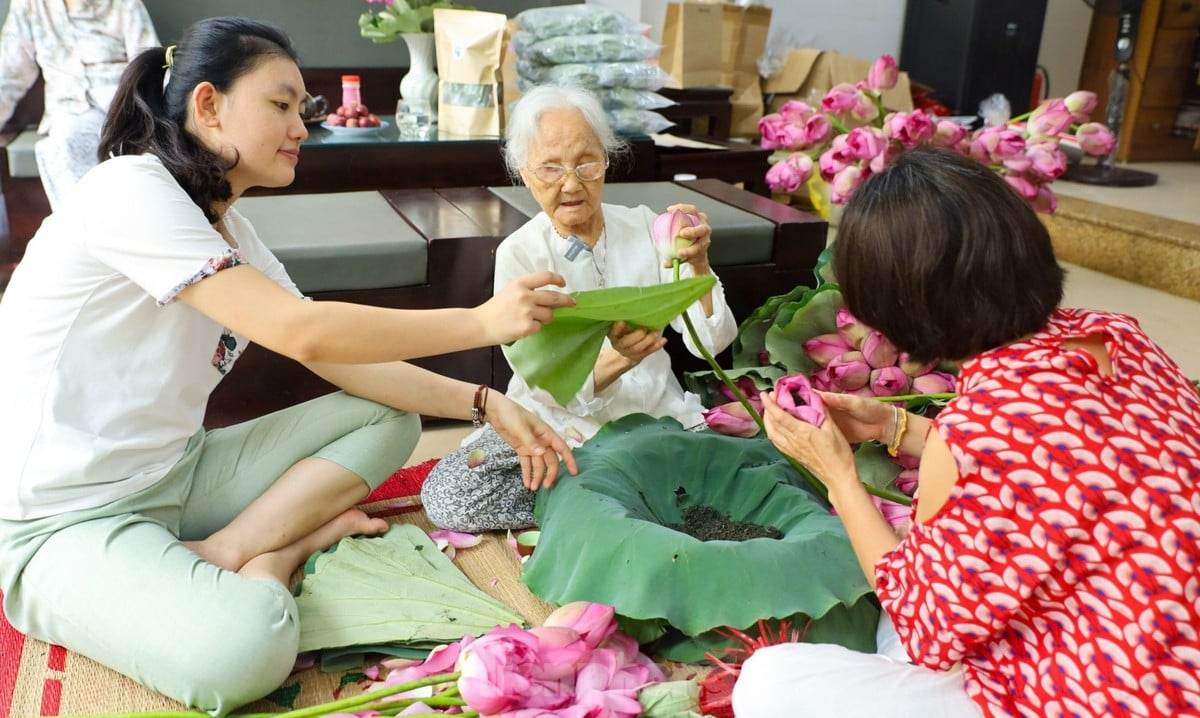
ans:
(522, 307)
(860, 418)
(635, 343)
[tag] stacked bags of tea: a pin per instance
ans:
(597, 48)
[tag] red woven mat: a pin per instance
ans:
(25, 664)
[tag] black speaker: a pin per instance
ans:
(967, 50)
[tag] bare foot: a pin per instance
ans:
(280, 564)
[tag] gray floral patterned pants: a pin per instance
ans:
(68, 152)
(478, 488)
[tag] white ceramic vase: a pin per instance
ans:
(419, 88)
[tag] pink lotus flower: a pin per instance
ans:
(840, 99)
(1046, 161)
(1045, 202)
(849, 328)
(845, 183)
(909, 129)
(795, 111)
(1081, 104)
(889, 381)
(594, 622)
(1049, 119)
(913, 368)
(794, 394)
(948, 134)
(665, 232)
(732, 419)
(884, 74)
(847, 372)
(824, 348)
(1095, 138)
(878, 350)
(790, 174)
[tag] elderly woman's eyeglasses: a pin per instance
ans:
(586, 172)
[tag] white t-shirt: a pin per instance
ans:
(625, 256)
(107, 376)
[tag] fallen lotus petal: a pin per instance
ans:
(934, 382)
(457, 539)
(794, 394)
(476, 457)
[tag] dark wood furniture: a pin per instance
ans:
(1162, 77)
(704, 111)
(463, 226)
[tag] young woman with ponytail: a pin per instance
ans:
(130, 534)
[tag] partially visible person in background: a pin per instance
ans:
(80, 47)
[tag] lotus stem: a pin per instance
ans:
(360, 700)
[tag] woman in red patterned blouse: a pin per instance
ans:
(1051, 568)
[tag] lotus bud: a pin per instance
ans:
(934, 382)
(889, 381)
(1095, 139)
(666, 233)
(824, 348)
(848, 372)
(948, 133)
(476, 458)
(732, 419)
(1049, 119)
(1081, 103)
(1045, 202)
(795, 395)
(796, 112)
(592, 621)
(913, 368)
(884, 74)
(878, 350)
(790, 173)
(845, 184)
(849, 328)
(745, 385)
(840, 99)
(906, 482)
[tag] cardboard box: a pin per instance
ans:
(808, 73)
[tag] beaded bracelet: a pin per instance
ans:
(893, 447)
(479, 406)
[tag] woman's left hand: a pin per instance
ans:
(823, 450)
(695, 254)
(539, 448)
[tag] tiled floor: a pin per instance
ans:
(1172, 321)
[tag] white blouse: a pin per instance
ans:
(81, 53)
(625, 256)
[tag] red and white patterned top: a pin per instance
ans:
(1062, 572)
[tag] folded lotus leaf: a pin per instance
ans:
(605, 536)
(394, 588)
(559, 357)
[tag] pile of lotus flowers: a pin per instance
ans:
(859, 360)
(851, 136)
(575, 665)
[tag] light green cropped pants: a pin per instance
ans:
(116, 583)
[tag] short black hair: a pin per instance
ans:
(944, 258)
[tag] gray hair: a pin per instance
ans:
(522, 128)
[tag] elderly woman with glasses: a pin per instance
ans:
(559, 144)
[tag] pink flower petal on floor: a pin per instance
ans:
(493, 582)
(457, 539)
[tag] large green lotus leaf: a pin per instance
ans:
(561, 355)
(800, 321)
(605, 536)
(707, 385)
(752, 333)
(394, 588)
(823, 270)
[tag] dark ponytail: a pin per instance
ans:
(148, 112)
